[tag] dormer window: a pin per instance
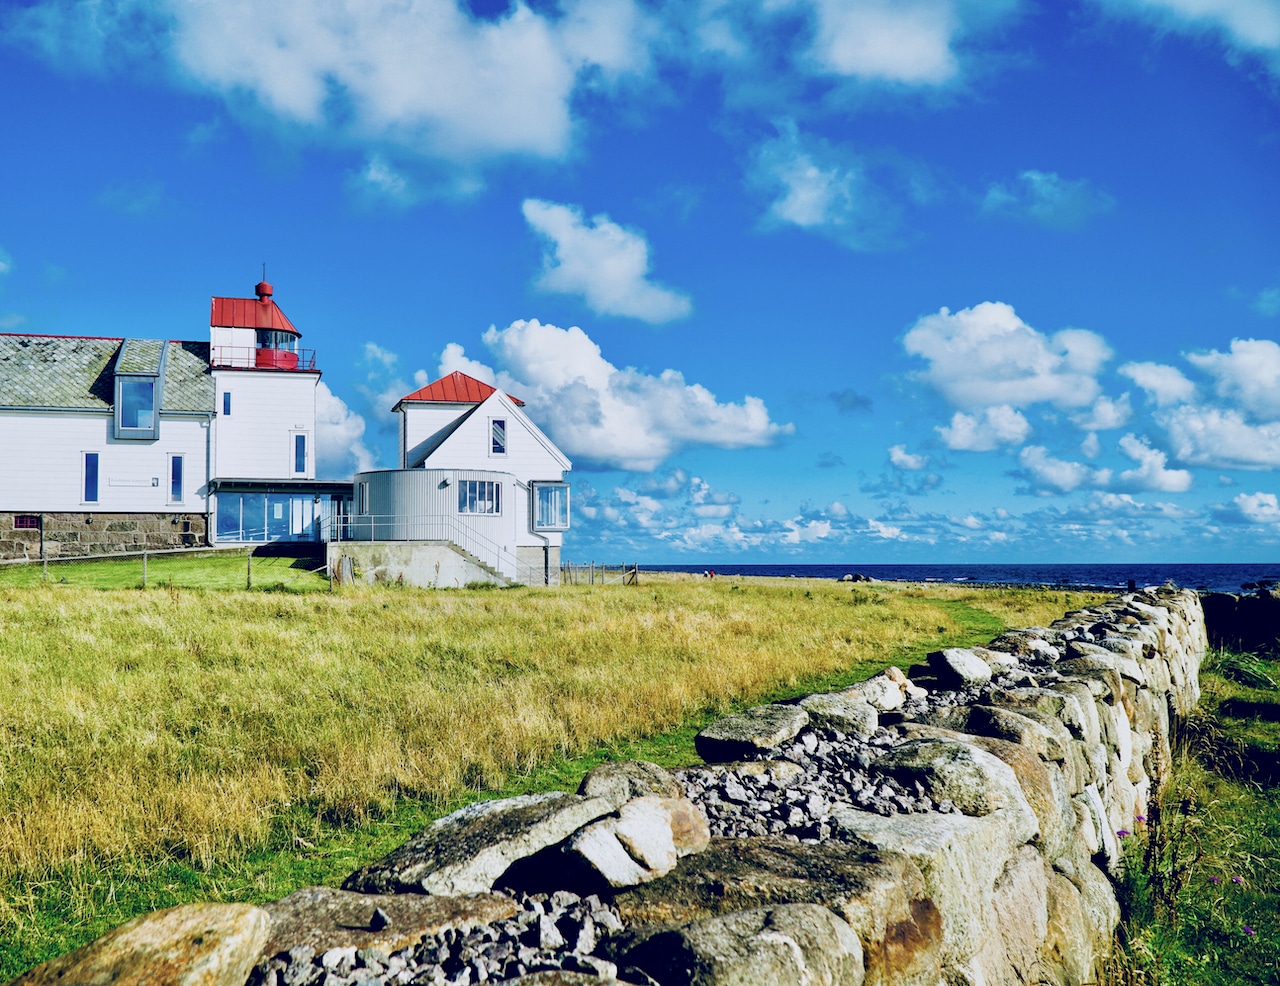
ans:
(138, 404)
(139, 372)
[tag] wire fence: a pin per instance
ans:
(187, 569)
(596, 573)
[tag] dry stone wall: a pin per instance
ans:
(956, 825)
(83, 535)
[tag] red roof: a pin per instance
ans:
(456, 388)
(250, 313)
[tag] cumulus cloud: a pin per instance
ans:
(340, 447)
(601, 414)
(1047, 474)
(1151, 472)
(900, 458)
(988, 429)
(1257, 508)
(824, 188)
(1165, 385)
(986, 355)
(453, 358)
(1046, 198)
(428, 76)
(1245, 27)
(1107, 413)
(1221, 438)
(603, 262)
(1248, 375)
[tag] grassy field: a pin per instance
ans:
(225, 570)
(167, 745)
(1202, 893)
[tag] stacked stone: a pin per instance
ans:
(956, 825)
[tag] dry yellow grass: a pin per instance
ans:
(138, 725)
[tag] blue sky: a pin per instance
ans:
(823, 280)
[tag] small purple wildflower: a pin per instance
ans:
(1123, 832)
(1215, 879)
(1236, 879)
(1248, 931)
(1140, 818)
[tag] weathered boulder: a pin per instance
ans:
(644, 841)
(1047, 702)
(881, 895)
(973, 780)
(191, 945)
(882, 692)
(466, 852)
(1019, 900)
(839, 711)
(956, 667)
(620, 781)
(778, 946)
(744, 733)
(322, 918)
(1042, 734)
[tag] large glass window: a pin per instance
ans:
(91, 477)
(498, 436)
(137, 404)
(550, 506)
(478, 496)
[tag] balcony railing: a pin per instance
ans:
(253, 358)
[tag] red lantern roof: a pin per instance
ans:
(456, 388)
(248, 313)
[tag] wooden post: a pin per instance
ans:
(593, 573)
(248, 570)
(144, 568)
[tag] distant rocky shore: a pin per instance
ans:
(960, 822)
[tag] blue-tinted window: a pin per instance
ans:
(551, 507)
(299, 453)
(478, 496)
(91, 477)
(137, 404)
(226, 404)
(175, 479)
(498, 439)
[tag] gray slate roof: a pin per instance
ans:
(78, 372)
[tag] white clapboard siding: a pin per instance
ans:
(530, 455)
(421, 421)
(256, 441)
(43, 469)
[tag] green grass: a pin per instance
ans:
(1202, 892)
(166, 746)
(188, 571)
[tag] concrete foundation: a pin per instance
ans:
(72, 535)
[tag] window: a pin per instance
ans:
(136, 415)
(226, 404)
(550, 506)
(175, 479)
(498, 436)
(26, 522)
(364, 499)
(478, 496)
(299, 453)
(91, 477)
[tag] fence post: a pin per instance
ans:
(144, 568)
(593, 573)
(44, 566)
(248, 570)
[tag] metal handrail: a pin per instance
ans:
(431, 527)
(262, 358)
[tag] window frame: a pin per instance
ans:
(84, 477)
(33, 526)
(472, 498)
(176, 459)
(226, 403)
(502, 453)
(299, 436)
(127, 432)
(535, 488)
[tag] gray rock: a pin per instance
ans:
(466, 852)
(956, 667)
(791, 943)
(761, 728)
(644, 841)
(974, 781)
(623, 780)
(839, 711)
(881, 692)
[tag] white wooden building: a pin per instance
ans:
(110, 445)
(475, 473)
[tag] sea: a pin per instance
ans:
(1202, 577)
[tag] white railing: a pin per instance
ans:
(434, 527)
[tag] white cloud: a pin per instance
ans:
(824, 188)
(1247, 27)
(1105, 414)
(902, 459)
(382, 386)
(806, 532)
(1046, 198)
(455, 358)
(1048, 473)
(1150, 473)
(986, 355)
(1164, 384)
(1248, 375)
(901, 41)
(426, 75)
(605, 263)
(1091, 446)
(1221, 439)
(616, 417)
(886, 531)
(988, 429)
(340, 449)
(1258, 508)
(378, 180)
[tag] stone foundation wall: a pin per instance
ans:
(85, 534)
(958, 825)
